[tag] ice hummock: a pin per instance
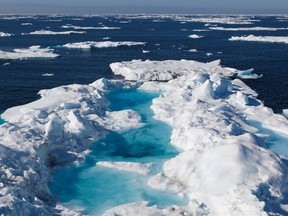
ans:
(223, 166)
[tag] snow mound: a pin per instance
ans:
(31, 52)
(101, 44)
(272, 39)
(47, 32)
(167, 70)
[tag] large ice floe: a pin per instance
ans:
(271, 39)
(247, 29)
(89, 27)
(31, 52)
(48, 32)
(101, 44)
(223, 166)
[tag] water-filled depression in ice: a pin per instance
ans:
(96, 189)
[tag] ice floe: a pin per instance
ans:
(31, 52)
(272, 39)
(89, 27)
(193, 50)
(47, 32)
(195, 36)
(224, 19)
(222, 167)
(247, 29)
(26, 24)
(138, 70)
(47, 74)
(101, 44)
(3, 34)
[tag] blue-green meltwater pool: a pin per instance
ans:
(96, 189)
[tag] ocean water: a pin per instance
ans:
(95, 189)
(22, 79)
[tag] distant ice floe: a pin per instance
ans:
(141, 168)
(3, 34)
(193, 50)
(31, 52)
(26, 24)
(142, 71)
(145, 51)
(101, 44)
(48, 74)
(224, 19)
(47, 32)
(87, 28)
(272, 39)
(222, 166)
(195, 36)
(247, 29)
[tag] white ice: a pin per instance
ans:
(101, 44)
(3, 34)
(272, 39)
(195, 36)
(247, 29)
(47, 32)
(89, 27)
(31, 52)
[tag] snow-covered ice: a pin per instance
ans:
(47, 74)
(47, 32)
(193, 50)
(31, 52)
(195, 36)
(101, 44)
(222, 167)
(89, 27)
(247, 29)
(272, 39)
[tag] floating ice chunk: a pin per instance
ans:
(193, 50)
(285, 112)
(31, 52)
(247, 29)
(47, 74)
(218, 19)
(46, 32)
(87, 28)
(3, 34)
(141, 168)
(195, 36)
(101, 44)
(272, 39)
(145, 51)
(209, 54)
(5, 64)
(26, 24)
(248, 74)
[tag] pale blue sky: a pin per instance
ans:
(144, 6)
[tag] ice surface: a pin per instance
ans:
(272, 39)
(285, 112)
(26, 24)
(31, 52)
(47, 32)
(225, 19)
(47, 74)
(247, 29)
(3, 34)
(193, 50)
(89, 27)
(101, 44)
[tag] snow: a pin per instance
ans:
(3, 34)
(101, 44)
(247, 29)
(127, 166)
(89, 27)
(47, 32)
(31, 52)
(195, 36)
(272, 39)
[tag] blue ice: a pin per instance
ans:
(95, 189)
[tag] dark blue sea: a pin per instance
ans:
(166, 38)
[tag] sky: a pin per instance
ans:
(144, 6)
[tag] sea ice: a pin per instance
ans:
(3, 34)
(101, 44)
(31, 52)
(247, 29)
(88, 27)
(272, 39)
(47, 32)
(195, 36)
